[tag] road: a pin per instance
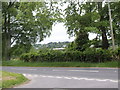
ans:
(62, 77)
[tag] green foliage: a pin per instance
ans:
(91, 17)
(79, 21)
(97, 55)
(17, 50)
(28, 57)
(59, 64)
(71, 46)
(96, 43)
(117, 37)
(14, 79)
(25, 23)
(116, 53)
(92, 29)
(90, 55)
(81, 41)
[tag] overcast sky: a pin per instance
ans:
(59, 34)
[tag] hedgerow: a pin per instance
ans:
(90, 55)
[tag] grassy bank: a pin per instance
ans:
(59, 64)
(11, 79)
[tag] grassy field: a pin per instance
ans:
(59, 64)
(11, 79)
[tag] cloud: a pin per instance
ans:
(59, 34)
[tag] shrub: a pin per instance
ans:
(97, 55)
(90, 55)
(29, 57)
(116, 54)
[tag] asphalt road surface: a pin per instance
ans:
(62, 77)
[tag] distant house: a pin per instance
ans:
(58, 48)
(64, 46)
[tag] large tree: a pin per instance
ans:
(78, 18)
(92, 17)
(104, 24)
(116, 20)
(24, 23)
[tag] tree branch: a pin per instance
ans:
(15, 37)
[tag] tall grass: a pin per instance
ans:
(59, 64)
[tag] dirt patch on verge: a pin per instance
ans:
(8, 78)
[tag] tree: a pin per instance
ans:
(24, 23)
(92, 17)
(78, 17)
(116, 21)
(81, 41)
(103, 24)
(0, 31)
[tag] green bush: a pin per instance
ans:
(29, 57)
(97, 55)
(116, 54)
(89, 55)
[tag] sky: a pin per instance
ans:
(59, 34)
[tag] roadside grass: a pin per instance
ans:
(59, 64)
(10, 79)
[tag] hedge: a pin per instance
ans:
(90, 55)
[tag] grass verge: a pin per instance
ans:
(59, 64)
(10, 79)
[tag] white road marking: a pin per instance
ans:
(44, 76)
(22, 69)
(116, 71)
(114, 81)
(41, 75)
(90, 79)
(85, 70)
(67, 78)
(29, 75)
(79, 70)
(58, 77)
(74, 78)
(35, 75)
(100, 80)
(50, 76)
(24, 74)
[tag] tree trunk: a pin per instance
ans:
(6, 38)
(9, 37)
(105, 43)
(6, 47)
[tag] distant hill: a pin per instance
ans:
(52, 45)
